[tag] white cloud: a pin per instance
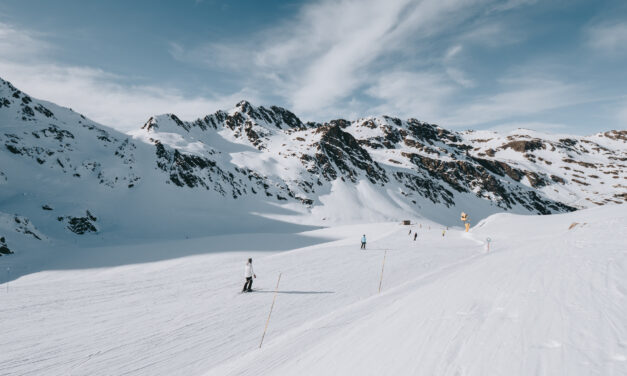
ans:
(332, 59)
(511, 4)
(453, 51)
(492, 34)
(521, 96)
(460, 77)
(97, 95)
(331, 49)
(451, 58)
(608, 37)
(100, 95)
(19, 45)
(432, 97)
(336, 42)
(411, 94)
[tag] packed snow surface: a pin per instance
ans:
(549, 298)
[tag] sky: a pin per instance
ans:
(555, 66)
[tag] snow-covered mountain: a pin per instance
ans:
(415, 162)
(62, 174)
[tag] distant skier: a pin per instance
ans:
(409, 232)
(363, 242)
(443, 233)
(249, 274)
(415, 236)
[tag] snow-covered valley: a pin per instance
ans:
(545, 300)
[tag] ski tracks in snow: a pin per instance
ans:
(550, 304)
(550, 301)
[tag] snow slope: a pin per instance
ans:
(546, 300)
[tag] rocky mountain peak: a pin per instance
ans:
(244, 106)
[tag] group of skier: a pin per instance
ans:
(249, 273)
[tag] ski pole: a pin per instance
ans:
(382, 267)
(271, 307)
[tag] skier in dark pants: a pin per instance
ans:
(363, 242)
(249, 274)
(415, 235)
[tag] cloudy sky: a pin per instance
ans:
(556, 66)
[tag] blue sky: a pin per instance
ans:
(557, 66)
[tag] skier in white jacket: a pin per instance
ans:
(249, 273)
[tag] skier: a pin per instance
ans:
(249, 274)
(443, 233)
(409, 232)
(363, 242)
(415, 236)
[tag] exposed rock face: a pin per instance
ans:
(339, 154)
(81, 225)
(522, 146)
(617, 135)
(4, 249)
(186, 170)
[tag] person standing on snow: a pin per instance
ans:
(363, 242)
(249, 274)
(415, 235)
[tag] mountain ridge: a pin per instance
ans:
(264, 162)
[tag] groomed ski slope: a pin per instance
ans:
(545, 301)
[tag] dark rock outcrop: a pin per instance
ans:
(82, 225)
(4, 248)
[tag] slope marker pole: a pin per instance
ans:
(382, 268)
(271, 308)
